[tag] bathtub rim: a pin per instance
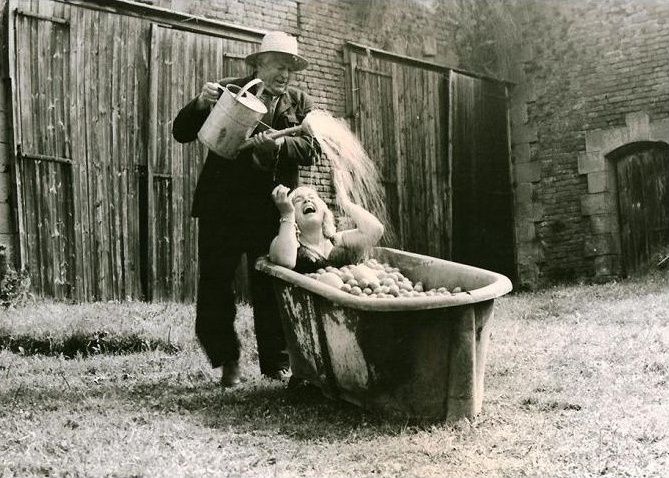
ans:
(498, 286)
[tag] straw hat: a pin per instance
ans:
(279, 42)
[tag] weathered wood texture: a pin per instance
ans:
(181, 62)
(104, 191)
(400, 115)
(643, 200)
(440, 140)
(44, 161)
(481, 176)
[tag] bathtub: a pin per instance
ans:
(415, 357)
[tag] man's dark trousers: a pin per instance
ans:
(220, 251)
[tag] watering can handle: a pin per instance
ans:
(247, 86)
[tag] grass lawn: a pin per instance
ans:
(576, 385)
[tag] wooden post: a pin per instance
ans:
(152, 155)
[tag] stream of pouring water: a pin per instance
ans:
(353, 171)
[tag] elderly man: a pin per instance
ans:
(235, 210)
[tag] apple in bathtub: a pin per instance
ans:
(330, 278)
(374, 279)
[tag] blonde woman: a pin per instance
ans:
(308, 239)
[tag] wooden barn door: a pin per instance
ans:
(400, 116)
(180, 64)
(643, 201)
(481, 181)
(80, 133)
(46, 170)
(109, 106)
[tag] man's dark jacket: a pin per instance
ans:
(235, 191)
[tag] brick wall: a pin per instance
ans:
(593, 75)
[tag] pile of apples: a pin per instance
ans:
(376, 280)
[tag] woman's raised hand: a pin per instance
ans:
(280, 198)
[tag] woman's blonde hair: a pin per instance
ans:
(329, 226)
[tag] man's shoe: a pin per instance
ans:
(282, 374)
(231, 374)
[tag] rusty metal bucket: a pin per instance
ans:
(232, 120)
(418, 357)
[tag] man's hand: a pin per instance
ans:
(263, 144)
(283, 204)
(209, 95)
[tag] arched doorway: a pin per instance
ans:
(642, 174)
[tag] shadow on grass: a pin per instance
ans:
(301, 412)
(258, 406)
(84, 345)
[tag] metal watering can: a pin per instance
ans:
(232, 120)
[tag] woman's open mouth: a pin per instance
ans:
(308, 209)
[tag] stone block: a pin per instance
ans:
(521, 153)
(529, 211)
(659, 130)
(529, 93)
(594, 140)
(524, 134)
(598, 181)
(607, 265)
(523, 192)
(614, 138)
(590, 162)
(518, 113)
(526, 231)
(528, 276)
(527, 172)
(528, 252)
(598, 245)
(598, 203)
(523, 92)
(603, 223)
(638, 125)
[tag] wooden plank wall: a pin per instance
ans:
(440, 139)
(45, 165)
(99, 220)
(81, 98)
(482, 195)
(112, 66)
(401, 118)
(184, 62)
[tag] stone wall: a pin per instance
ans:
(592, 77)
